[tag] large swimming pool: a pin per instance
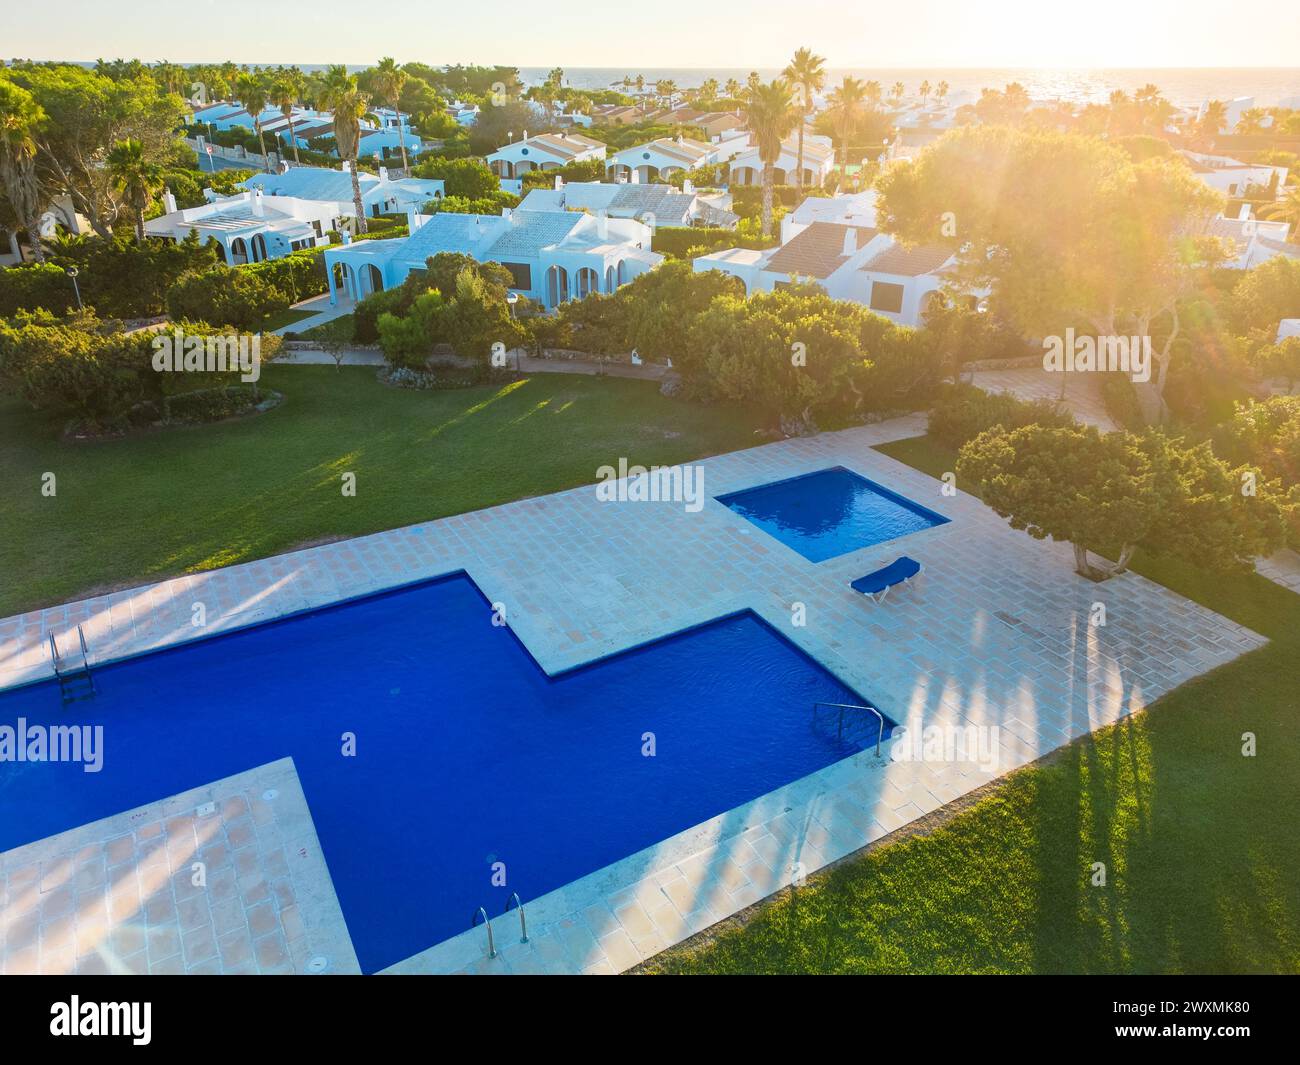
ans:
(467, 754)
(830, 512)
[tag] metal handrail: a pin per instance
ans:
(54, 652)
(85, 654)
(492, 950)
(839, 732)
(523, 923)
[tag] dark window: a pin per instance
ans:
(522, 274)
(886, 297)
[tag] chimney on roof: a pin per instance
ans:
(688, 187)
(602, 225)
(169, 202)
(1243, 214)
(383, 173)
(283, 168)
(850, 240)
(257, 203)
(347, 166)
(559, 182)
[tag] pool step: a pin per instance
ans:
(75, 683)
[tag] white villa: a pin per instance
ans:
(818, 162)
(848, 260)
(553, 256)
(249, 227)
(659, 158)
(382, 138)
(655, 205)
(1231, 176)
(1251, 241)
(544, 151)
(380, 194)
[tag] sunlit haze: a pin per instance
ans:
(758, 33)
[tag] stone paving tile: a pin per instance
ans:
(119, 895)
(1082, 391)
(995, 634)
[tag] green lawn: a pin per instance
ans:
(1202, 844)
(140, 509)
(285, 317)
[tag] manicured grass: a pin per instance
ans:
(139, 509)
(287, 316)
(1201, 844)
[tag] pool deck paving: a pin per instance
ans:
(998, 641)
(224, 879)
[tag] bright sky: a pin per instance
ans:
(668, 33)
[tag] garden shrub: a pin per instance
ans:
(963, 411)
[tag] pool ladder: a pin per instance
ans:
(487, 923)
(841, 707)
(75, 683)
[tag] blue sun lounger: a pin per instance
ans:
(877, 584)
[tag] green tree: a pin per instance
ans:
(137, 179)
(349, 104)
(284, 93)
(253, 95)
(847, 105)
(388, 80)
(807, 72)
(772, 117)
(21, 118)
(1064, 230)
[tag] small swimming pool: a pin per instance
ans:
(830, 512)
(467, 753)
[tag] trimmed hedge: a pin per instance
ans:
(963, 411)
(676, 241)
(33, 285)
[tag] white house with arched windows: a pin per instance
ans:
(659, 158)
(552, 256)
(818, 162)
(249, 227)
(544, 151)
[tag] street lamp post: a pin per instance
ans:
(72, 273)
(511, 299)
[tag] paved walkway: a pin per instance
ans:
(996, 637)
(322, 311)
(317, 357)
(1282, 568)
(1082, 391)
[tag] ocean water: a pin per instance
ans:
(1186, 87)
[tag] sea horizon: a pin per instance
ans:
(1183, 86)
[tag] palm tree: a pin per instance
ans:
(896, 93)
(940, 92)
(924, 92)
(807, 72)
(733, 89)
(1214, 119)
(252, 94)
(20, 118)
(846, 107)
(284, 93)
(389, 79)
(667, 89)
(136, 177)
(1285, 209)
(349, 104)
(872, 93)
(772, 117)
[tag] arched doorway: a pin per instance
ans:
(220, 249)
(259, 248)
(621, 275)
(611, 279)
(588, 282)
(238, 252)
(557, 286)
(374, 279)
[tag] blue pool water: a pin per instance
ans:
(830, 512)
(466, 752)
